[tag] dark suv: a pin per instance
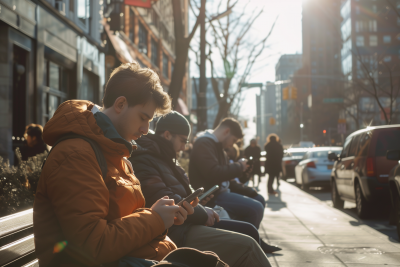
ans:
(361, 172)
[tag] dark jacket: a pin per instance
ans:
(154, 165)
(274, 150)
(208, 164)
(254, 152)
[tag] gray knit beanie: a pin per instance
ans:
(175, 123)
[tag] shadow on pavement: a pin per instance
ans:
(275, 203)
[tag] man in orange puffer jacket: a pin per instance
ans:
(92, 219)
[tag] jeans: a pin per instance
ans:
(135, 262)
(243, 208)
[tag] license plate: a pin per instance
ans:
(330, 167)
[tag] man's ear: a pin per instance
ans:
(167, 135)
(227, 131)
(119, 104)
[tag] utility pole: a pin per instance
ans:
(202, 96)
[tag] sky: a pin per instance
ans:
(286, 38)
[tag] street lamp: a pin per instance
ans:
(301, 126)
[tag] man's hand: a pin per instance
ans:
(243, 162)
(167, 210)
(184, 211)
(204, 201)
(212, 216)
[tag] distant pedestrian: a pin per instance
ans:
(34, 142)
(254, 151)
(273, 165)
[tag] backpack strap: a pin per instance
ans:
(101, 160)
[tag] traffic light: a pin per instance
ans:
(285, 93)
(293, 93)
(324, 132)
(272, 121)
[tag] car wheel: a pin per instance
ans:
(304, 186)
(338, 203)
(363, 207)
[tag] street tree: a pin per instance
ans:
(237, 53)
(182, 44)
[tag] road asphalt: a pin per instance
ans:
(312, 233)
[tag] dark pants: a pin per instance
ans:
(271, 178)
(243, 208)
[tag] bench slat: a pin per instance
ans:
(34, 263)
(16, 222)
(16, 250)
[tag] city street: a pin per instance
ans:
(312, 233)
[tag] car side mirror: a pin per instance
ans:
(333, 156)
(393, 155)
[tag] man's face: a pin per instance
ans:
(179, 142)
(133, 122)
(229, 140)
(253, 144)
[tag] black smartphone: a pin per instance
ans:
(209, 192)
(192, 196)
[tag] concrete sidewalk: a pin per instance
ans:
(313, 234)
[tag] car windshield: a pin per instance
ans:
(387, 140)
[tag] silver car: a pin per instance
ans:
(314, 169)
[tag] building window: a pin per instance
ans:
(56, 84)
(142, 39)
(131, 25)
(373, 40)
(387, 39)
(89, 86)
(387, 58)
(155, 18)
(360, 41)
(83, 11)
(154, 52)
(373, 25)
(165, 65)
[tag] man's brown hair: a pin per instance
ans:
(138, 85)
(233, 125)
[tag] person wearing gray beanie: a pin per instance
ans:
(173, 122)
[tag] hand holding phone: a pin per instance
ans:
(209, 192)
(192, 196)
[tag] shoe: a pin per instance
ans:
(273, 193)
(268, 248)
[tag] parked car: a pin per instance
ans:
(291, 157)
(361, 172)
(394, 189)
(315, 168)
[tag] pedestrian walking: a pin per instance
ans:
(254, 151)
(273, 165)
(34, 143)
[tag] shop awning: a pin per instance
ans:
(124, 53)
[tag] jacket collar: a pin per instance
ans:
(104, 122)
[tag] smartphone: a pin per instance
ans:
(209, 192)
(192, 196)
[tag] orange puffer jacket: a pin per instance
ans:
(101, 220)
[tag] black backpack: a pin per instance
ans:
(96, 148)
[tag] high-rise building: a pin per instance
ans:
(287, 66)
(371, 48)
(212, 102)
(318, 81)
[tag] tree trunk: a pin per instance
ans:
(223, 109)
(175, 87)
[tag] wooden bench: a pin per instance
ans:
(17, 247)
